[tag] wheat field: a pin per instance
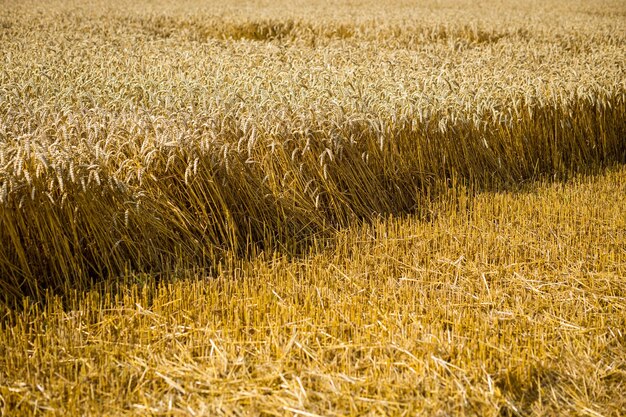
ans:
(312, 208)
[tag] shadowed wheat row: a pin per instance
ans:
(66, 225)
(145, 141)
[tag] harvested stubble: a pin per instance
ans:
(502, 304)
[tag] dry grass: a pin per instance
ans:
(308, 208)
(506, 304)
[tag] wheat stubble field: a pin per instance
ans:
(260, 208)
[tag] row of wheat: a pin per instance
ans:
(152, 142)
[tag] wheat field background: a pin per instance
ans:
(318, 208)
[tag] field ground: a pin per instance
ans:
(505, 304)
(313, 208)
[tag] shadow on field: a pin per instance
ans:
(312, 33)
